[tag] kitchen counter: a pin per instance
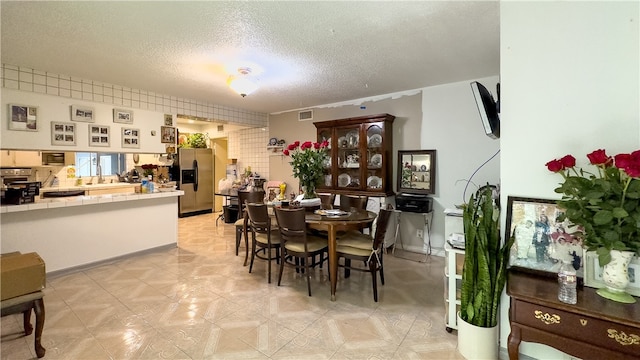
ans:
(56, 203)
(116, 185)
(80, 231)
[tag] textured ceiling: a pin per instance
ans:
(302, 53)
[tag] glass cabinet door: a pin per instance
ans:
(375, 157)
(327, 182)
(348, 157)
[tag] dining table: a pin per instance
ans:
(331, 223)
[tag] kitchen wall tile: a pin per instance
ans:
(65, 83)
(11, 84)
(52, 90)
(41, 89)
(52, 80)
(26, 86)
(108, 99)
(26, 76)
(87, 96)
(97, 89)
(98, 97)
(39, 79)
(76, 85)
(76, 94)
(64, 92)
(11, 74)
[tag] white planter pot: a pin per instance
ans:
(476, 342)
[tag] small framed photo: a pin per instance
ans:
(82, 113)
(168, 134)
(130, 138)
(542, 241)
(23, 117)
(168, 120)
(63, 133)
(99, 135)
(593, 273)
(123, 116)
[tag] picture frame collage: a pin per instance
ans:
(25, 118)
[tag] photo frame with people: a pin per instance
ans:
(542, 241)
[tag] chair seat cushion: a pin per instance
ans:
(341, 249)
(239, 223)
(313, 244)
(262, 237)
(356, 240)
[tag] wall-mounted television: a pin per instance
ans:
(488, 109)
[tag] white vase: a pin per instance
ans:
(615, 276)
(475, 342)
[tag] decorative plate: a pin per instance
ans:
(374, 182)
(376, 160)
(375, 140)
(344, 180)
(423, 168)
(273, 142)
(331, 212)
(329, 141)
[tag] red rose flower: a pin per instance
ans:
(568, 161)
(623, 160)
(599, 157)
(554, 165)
(292, 147)
(316, 145)
(286, 152)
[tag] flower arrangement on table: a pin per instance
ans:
(307, 161)
(606, 204)
(148, 169)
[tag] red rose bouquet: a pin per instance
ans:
(605, 202)
(307, 161)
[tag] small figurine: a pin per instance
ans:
(282, 195)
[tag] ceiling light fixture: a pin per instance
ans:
(240, 83)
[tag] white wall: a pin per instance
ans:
(451, 124)
(570, 84)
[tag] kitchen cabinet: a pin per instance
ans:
(360, 155)
(15, 158)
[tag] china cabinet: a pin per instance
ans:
(360, 155)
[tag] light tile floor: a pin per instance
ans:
(198, 301)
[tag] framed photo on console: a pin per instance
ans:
(99, 135)
(593, 273)
(542, 241)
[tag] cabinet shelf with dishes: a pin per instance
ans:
(360, 155)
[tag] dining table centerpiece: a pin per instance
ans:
(307, 161)
(604, 201)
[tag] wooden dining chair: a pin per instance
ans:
(263, 237)
(366, 249)
(242, 220)
(327, 200)
(351, 201)
(296, 245)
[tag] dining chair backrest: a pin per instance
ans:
(259, 219)
(248, 197)
(349, 201)
(327, 200)
(381, 227)
(292, 224)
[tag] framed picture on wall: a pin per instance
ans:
(63, 133)
(168, 135)
(130, 138)
(23, 117)
(99, 135)
(123, 116)
(82, 113)
(168, 120)
(542, 241)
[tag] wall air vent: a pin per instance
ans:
(220, 128)
(305, 115)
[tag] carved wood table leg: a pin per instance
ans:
(39, 310)
(513, 342)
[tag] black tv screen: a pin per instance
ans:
(488, 110)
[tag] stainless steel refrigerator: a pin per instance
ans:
(195, 169)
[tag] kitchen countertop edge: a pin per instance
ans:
(53, 203)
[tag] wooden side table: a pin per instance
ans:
(594, 328)
(23, 304)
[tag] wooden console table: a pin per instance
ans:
(594, 328)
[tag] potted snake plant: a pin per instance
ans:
(483, 277)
